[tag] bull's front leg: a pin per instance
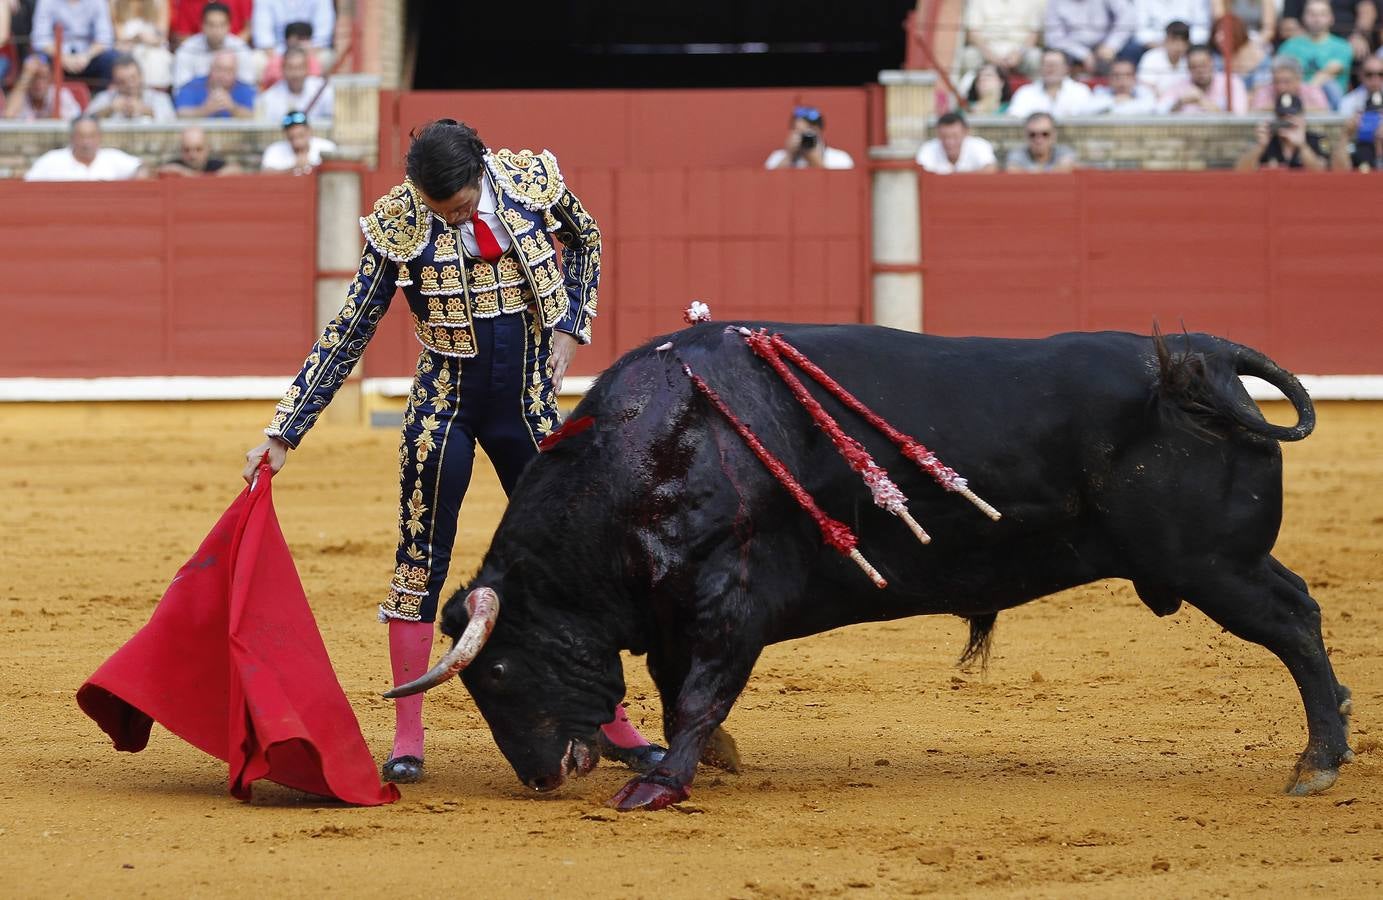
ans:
(713, 681)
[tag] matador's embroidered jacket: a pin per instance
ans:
(409, 247)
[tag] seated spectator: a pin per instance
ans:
(1251, 53)
(140, 32)
(1203, 91)
(1325, 58)
(1123, 96)
(1287, 80)
(297, 34)
(185, 19)
(1284, 142)
(1054, 92)
(1361, 140)
(1151, 18)
(300, 152)
(218, 94)
(87, 37)
(1162, 67)
(1002, 33)
(127, 99)
(1353, 20)
(194, 158)
(1370, 82)
(989, 92)
(805, 147)
(5, 36)
(1041, 152)
(1089, 32)
(271, 17)
(84, 159)
(295, 91)
(35, 97)
(955, 149)
(194, 55)
(1259, 16)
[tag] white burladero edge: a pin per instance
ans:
(188, 387)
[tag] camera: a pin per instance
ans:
(809, 138)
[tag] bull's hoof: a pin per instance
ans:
(647, 795)
(1312, 781)
(640, 759)
(402, 770)
(721, 752)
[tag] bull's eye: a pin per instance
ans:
(497, 671)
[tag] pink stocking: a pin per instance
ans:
(410, 649)
(621, 732)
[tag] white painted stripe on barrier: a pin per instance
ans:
(271, 387)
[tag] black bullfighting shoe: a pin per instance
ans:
(402, 770)
(640, 759)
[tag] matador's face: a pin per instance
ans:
(458, 207)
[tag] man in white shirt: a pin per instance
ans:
(194, 55)
(84, 159)
(1124, 96)
(1165, 66)
(805, 147)
(295, 90)
(1054, 93)
(300, 152)
(1004, 33)
(128, 100)
(955, 149)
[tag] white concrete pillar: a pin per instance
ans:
(897, 249)
(338, 253)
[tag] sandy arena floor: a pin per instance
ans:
(1105, 753)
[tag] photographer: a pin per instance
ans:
(805, 147)
(1361, 140)
(1285, 143)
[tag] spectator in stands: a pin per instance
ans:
(805, 147)
(1123, 96)
(1161, 67)
(1002, 33)
(185, 19)
(5, 36)
(1287, 80)
(1054, 92)
(87, 37)
(1251, 52)
(1151, 18)
(295, 91)
(300, 151)
(195, 159)
(84, 159)
(1090, 32)
(1361, 139)
(271, 17)
(218, 94)
(989, 92)
(127, 98)
(1259, 16)
(140, 31)
(194, 55)
(35, 97)
(1284, 142)
(1040, 152)
(955, 149)
(296, 34)
(1353, 20)
(1370, 81)
(1325, 58)
(1203, 90)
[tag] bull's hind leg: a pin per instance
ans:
(1342, 693)
(1273, 609)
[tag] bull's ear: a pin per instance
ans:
(454, 616)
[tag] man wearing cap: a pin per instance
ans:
(469, 237)
(805, 147)
(1284, 142)
(1361, 139)
(300, 151)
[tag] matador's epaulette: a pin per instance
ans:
(530, 179)
(400, 224)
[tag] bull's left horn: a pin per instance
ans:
(482, 604)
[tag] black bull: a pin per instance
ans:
(657, 531)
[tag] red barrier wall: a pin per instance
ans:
(1287, 262)
(176, 277)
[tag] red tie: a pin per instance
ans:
(485, 240)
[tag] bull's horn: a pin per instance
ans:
(483, 606)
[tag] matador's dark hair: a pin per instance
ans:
(444, 157)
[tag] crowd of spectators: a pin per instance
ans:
(1277, 60)
(161, 61)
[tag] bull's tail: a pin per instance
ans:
(977, 645)
(1202, 386)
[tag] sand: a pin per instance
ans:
(1105, 752)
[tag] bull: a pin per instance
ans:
(655, 530)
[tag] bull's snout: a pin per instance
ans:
(546, 783)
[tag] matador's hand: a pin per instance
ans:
(563, 346)
(277, 448)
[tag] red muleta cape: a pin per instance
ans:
(232, 663)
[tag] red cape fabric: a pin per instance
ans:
(232, 663)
